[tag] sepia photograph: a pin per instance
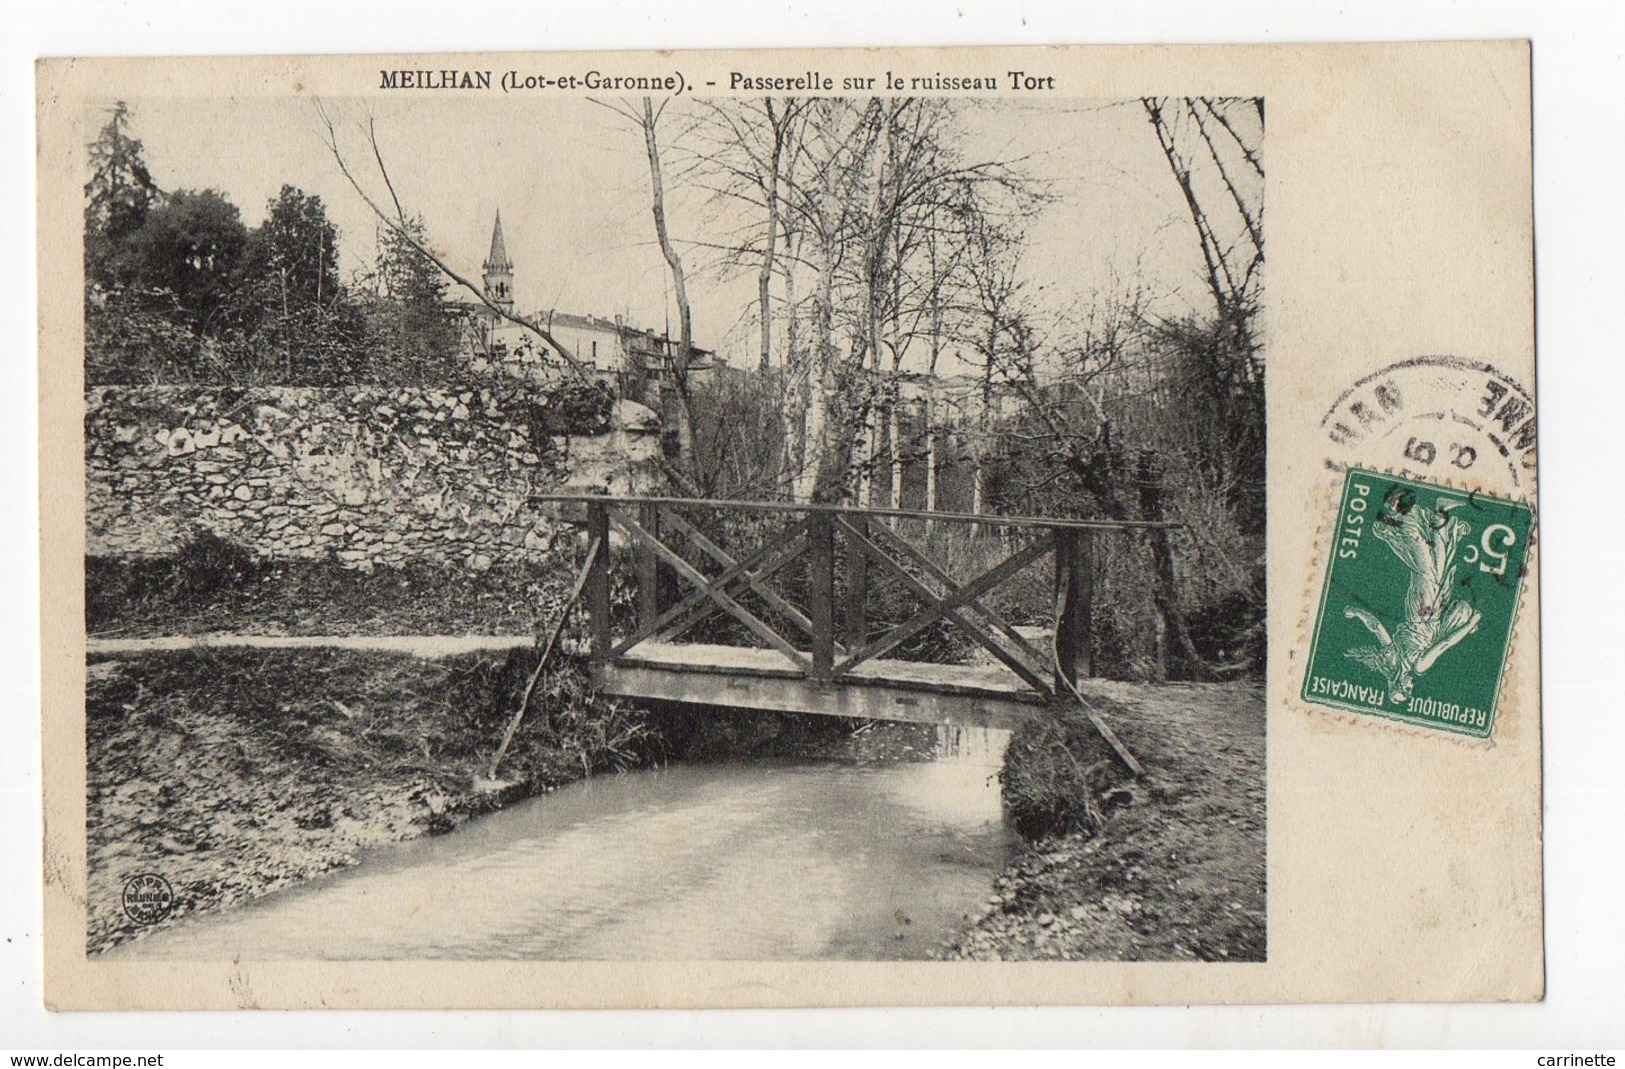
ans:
(642, 525)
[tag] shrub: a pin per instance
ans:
(1054, 770)
(206, 562)
(574, 408)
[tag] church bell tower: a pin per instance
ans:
(498, 270)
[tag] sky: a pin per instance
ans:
(571, 180)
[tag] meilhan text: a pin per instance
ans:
(441, 79)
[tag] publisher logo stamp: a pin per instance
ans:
(1416, 614)
(148, 898)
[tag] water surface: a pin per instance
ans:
(838, 859)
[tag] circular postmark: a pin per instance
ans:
(148, 898)
(1440, 417)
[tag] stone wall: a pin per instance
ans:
(372, 475)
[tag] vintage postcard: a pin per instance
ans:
(790, 528)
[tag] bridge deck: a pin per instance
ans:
(980, 695)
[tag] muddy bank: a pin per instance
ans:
(232, 773)
(1168, 867)
(757, 859)
(236, 772)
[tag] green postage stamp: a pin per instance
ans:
(1416, 615)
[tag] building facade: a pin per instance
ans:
(636, 362)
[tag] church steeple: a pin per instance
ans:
(498, 269)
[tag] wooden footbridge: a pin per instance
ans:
(801, 596)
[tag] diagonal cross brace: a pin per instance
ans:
(752, 580)
(713, 591)
(1016, 638)
(940, 608)
(681, 616)
(955, 597)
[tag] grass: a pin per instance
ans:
(212, 584)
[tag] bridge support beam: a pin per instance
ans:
(1074, 594)
(648, 567)
(821, 593)
(857, 588)
(792, 695)
(597, 591)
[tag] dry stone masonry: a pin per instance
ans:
(372, 475)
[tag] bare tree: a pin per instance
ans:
(1213, 154)
(842, 201)
(746, 153)
(1103, 419)
(401, 225)
(880, 174)
(676, 408)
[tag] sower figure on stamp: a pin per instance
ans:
(1435, 619)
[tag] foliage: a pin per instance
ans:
(189, 246)
(409, 314)
(206, 562)
(137, 336)
(178, 289)
(117, 197)
(739, 434)
(1056, 769)
(1212, 368)
(210, 580)
(295, 249)
(572, 407)
(289, 299)
(571, 732)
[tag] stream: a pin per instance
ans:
(844, 857)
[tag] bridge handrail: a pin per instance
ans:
(987, 519)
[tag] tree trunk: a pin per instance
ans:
(894, 444)
(862, 435)
(931, 383)
(893, 391)
(674, 402)
(816, 475)
(1180, 657)
(764, 280)
(1103, 475)
(931, 442)
(799, 386)
(984, 421)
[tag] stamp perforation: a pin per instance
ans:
(1331, 496)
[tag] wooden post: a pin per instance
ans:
(857, 586)
(1074, 590)
(598, 581)
(821, 592)
(648, 567)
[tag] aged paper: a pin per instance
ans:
(1096, 215)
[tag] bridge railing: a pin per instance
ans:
(825, 636)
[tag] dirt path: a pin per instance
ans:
(429, 646)
(1178, 873)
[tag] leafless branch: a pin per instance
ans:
(397, 226)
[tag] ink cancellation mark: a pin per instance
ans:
(1442, 417)
(1416, 615)
(148, 898)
